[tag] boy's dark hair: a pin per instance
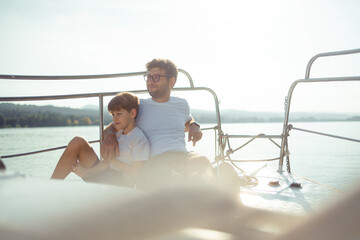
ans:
(170, 68)
(124, 100)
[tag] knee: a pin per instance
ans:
(77, 142)
(200, 164)
(201, 161)
(200, 169)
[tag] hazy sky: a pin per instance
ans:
(249, 52)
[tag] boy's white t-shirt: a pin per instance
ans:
(133, 146)
(164, 124)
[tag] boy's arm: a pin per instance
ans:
(109, 148)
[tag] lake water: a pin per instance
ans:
(327, 160)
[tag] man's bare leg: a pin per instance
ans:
(77, 149)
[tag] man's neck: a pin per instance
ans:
(161, 100)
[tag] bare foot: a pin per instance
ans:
(79, 170)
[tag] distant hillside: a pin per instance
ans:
(12, 110)
(232, 115)
(17, 115)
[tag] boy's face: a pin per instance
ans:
(123, 119)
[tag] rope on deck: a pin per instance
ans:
(230, 150)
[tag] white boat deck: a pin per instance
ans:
(309, 198)
(37, 208)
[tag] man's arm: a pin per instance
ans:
(194, 130)
(109, 147)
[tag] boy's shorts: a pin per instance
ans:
(109, 176)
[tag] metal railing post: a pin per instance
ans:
(101, 116)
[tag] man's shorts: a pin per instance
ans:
(170, 168)
(178, 161)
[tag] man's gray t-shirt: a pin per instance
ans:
(164, 124)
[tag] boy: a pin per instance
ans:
(80, 158)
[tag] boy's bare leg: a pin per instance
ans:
(77, 149)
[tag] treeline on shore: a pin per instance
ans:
(16, 115)
(47, 120)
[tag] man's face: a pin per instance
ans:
(160, 89)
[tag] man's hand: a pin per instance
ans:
(195, 133)
(109, 147)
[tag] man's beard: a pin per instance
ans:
(159, 92)
(155, 94)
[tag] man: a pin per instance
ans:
(164, 120)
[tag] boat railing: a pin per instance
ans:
(223, 148)
(287, 127)
(100, 95)
(284, 149)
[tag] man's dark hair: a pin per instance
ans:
(164, 64)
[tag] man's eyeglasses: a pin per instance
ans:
(155, 77)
